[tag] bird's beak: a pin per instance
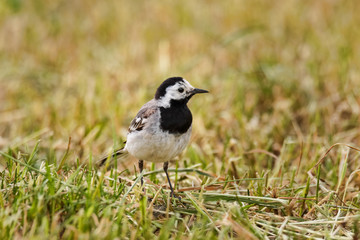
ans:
(197, 90)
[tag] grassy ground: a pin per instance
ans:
(285, 86)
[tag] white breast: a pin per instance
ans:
(154, 145)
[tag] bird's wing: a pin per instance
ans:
(139, 122)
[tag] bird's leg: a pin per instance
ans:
(165, 167)
(141, 167)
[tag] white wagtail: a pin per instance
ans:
(162, 128)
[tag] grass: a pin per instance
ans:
(275, 146)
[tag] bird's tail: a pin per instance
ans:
(117, 153)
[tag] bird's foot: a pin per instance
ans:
(175, 196)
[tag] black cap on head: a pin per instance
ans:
(161, 91)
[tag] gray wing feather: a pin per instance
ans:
(139, 122)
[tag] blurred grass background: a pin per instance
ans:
(283, 75)
(277, 71)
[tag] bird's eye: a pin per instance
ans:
(181, 90)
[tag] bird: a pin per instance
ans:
(162, 128)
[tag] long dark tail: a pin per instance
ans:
(117, 153)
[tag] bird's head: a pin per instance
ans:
(177, 90)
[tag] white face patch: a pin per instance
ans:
(176, 92)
